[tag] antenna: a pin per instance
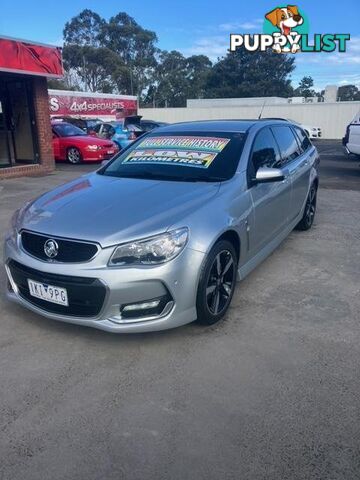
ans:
(262, 108)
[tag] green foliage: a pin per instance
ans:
(119, 55)
(305, 88)
(348, 93)
(58, 84)
(251, 74)
(93, 66)
(176, 78)
(135, 46)
(85, 29)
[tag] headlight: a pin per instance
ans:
(93, 148)
(152, 251)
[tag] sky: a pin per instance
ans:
(201, 27)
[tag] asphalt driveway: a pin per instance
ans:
(270, 393)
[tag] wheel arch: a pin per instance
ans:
(231, 236)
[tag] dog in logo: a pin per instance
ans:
(285, 19)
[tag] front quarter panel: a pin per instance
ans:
(230, 209)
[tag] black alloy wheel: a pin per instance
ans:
(310, 209)
(217, 283)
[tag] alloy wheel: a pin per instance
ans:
(310, 207)
(74, 155)
(220, 282)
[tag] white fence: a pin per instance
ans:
(331, 117)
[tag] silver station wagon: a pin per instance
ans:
(158, 237)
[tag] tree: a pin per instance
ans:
(198, 68)
(136, 48)
(348, 93)
(305, 88)
(93, 66)
(85, 29)
(169, 83)
(251, 74)
(58, 84)
(176, 78)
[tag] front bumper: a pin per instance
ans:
(99, 155)
(177, 278)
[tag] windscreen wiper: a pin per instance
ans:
(159, 176)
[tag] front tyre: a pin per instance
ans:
(309, 212)
(73, 155)
(217, 283)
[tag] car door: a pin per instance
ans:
(296, 164)
(270, 200)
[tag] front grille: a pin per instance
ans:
(70, 251)
(85, 295)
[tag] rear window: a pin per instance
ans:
(67, 130)
(287, 142)
(303, 139)
(190, 156)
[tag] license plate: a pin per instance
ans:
(110, 152)
(50, 293)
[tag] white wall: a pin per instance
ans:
(232, 102)
(331, 117)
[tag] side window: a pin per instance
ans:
(303, 139)
(265, 152)
(289, 147)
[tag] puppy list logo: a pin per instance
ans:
(286, 30)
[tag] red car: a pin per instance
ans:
(72, 144)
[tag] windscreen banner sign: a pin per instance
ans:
(286, 30)
(189, 151)
(75, 105)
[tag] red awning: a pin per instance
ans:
(21, 56)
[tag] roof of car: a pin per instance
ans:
(153, 121)
(240, 126)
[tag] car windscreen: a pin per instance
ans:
(67, 130)
(92, 123)
(120, 126)
(133, 128)
(191, 156)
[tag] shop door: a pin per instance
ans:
(6, 148)
(21, 120)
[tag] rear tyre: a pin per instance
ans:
(73, 155)
(217, 283)
(310, 209)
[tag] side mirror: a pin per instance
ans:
(266, 175)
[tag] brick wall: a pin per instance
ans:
(42, 118)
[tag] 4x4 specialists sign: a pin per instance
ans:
(91, 105)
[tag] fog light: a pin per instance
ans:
(141, 306)
(153, 307)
